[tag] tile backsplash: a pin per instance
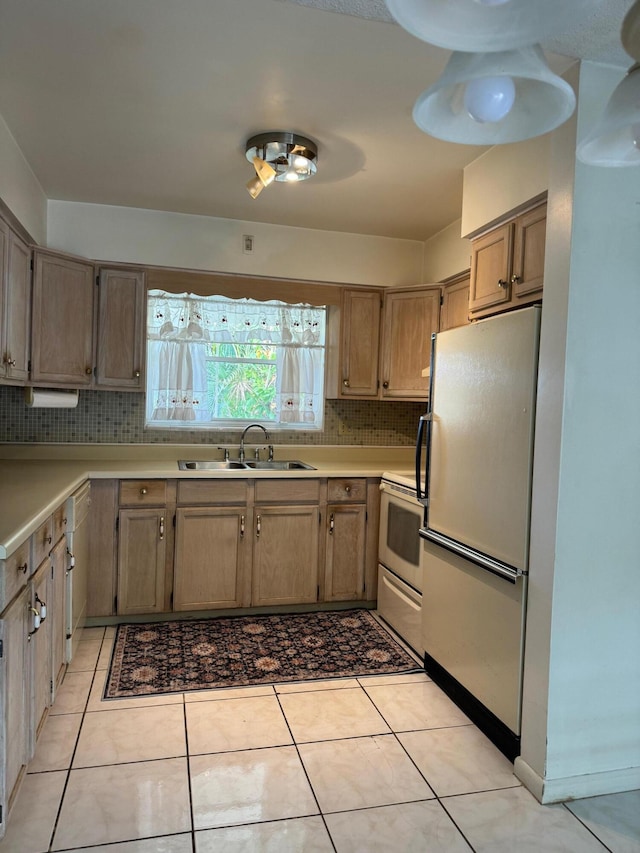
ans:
(116, 417)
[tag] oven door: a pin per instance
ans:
(399, 546)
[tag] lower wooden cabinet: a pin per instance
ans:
(14, 700)
(56, 610)
(210, 558)
(345, 552)
(141, 561)
(227, 544)
(285, 555)
(40, 651)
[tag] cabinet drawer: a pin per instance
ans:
(14, 572)
(59, 522)
(143, 492)
(212, 492)
(287, 491)
(41, 542)
(347, 490)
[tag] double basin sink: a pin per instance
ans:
(251, 465)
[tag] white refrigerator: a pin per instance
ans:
(475, 451)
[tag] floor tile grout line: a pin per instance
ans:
(304, 770)
(189, 787)
(586, 826)
(73, 753)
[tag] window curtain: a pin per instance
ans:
(181, 326)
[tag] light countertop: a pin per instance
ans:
(36, 479)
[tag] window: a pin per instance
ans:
(219, 362)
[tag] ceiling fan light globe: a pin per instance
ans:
(542, 102)
(614, 140)
(489, 99)
(488, 25)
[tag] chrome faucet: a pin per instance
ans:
(267, 438)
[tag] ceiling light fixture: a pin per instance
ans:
(281, 156)
(494, 98)
(615, 139)
(486, 25)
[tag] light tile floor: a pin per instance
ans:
(369, 764)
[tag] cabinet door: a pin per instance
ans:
(14, 700)
(285, 555)
(40, 649)
(56, 612)
(62, 322)
(209, 558)
(491, 268)
(410, 318)
(528, 252)
(121, 330)
(141, 561)
(345, 549)
(360, 343)
(455, 304)
(18, 310)
(102, 558)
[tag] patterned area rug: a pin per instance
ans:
(174, 657)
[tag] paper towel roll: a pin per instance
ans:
(50, 398)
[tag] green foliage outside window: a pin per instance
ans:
(241, 381)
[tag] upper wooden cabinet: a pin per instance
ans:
(359, 344)
(15, 306)
(121, 328)
(507, 264)
(63, 321)
(385, 342)
(410, 317)
(454, 310)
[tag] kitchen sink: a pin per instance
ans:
(235, 465)
(280, 465)
(205, 465)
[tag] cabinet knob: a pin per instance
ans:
(88, 371)
(47, 539)
(385, 384)
(347, 489)
(136, 374)
(345, 382)
(332, 523)
(10, 362)
(143, 491)
(502, 283)
(515, 279)
(23, 568)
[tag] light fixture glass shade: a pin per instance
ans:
(474, 25)
(542, 101)
(291, 156)
(630, 35)
(615, 139)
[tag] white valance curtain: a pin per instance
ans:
(181, 327)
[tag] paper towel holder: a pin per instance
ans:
(50, 398)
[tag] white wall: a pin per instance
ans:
(158, 238)
(501, 180)
(19, 187)
(592, 734)
(446, 254)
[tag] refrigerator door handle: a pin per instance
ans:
(420, 494)
(425, 420)
(482, 560)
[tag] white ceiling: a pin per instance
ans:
(148, 103)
